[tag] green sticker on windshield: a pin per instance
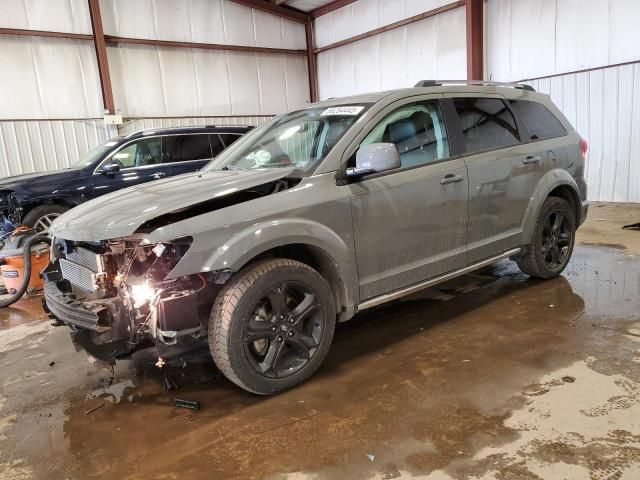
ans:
(350, 110)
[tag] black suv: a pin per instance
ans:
(35, 199)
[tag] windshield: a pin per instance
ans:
(97, 152)
(299, 139)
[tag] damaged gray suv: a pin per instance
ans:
(315, 215)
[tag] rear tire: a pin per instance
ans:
(41, 217)
(552, 243)
(271, 325)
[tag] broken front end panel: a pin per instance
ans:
(116, 298)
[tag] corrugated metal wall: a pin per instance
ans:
(33, 146)
(604, 106)
(548, 38)
(44, 78)
(431, 48)
(133, 125)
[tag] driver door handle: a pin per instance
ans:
(451, 179)
(531, 159)
(158, 175)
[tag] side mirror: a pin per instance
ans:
(375, 158)
(110, 168)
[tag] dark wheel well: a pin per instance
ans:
(317, 259)
(569, 194)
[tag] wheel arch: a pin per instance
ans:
(555, 183)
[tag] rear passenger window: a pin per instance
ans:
(486, 123)
(540, 122)
(184, 148)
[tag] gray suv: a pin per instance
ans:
(318, 214)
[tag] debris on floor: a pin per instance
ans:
(181, 403)
(91, 410)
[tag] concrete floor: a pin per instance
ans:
(491, 376)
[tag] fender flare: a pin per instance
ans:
(246, 244)
(549, 182)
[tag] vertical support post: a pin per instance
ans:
(101, 56)
(475, 39)
(311, 61)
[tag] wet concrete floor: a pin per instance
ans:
(493, 375)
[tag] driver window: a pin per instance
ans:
(418, 132)
(139, 154)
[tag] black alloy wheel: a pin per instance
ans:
(271, 325)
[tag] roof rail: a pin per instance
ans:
(488, 83)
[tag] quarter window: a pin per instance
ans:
(486, 123)
(229, 138)
(143, 152)
(185, 148)
(418, 132)
(540, 122)
(217, 144)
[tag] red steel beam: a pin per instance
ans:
(386, 28)
(330, 7)
(101, 56)
(311, 62)
(42, 33)
(206, 46)
(280, 11)
(475, 39)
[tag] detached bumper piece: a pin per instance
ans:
(92, 315)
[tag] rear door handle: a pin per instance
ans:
(531, 159)
(159, 175)
(451, 179)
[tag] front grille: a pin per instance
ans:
(80, 268)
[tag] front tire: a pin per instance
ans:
(272, 325)
(553, 239)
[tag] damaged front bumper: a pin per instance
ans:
(101, 308)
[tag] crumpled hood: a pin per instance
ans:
(121, 213)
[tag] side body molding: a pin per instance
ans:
(551, 180)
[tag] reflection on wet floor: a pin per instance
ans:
(491, 372)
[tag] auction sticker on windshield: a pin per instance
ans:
(346, 110)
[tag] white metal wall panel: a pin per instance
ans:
(48, 78)
(159, 81)
(31, 146)
(431, 48)
(70, 16)
(365, 15)
(134, 125)
(604, 106)
(203, 21)
(535, 38)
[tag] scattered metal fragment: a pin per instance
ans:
(90, 411)
(180, 403)
(169, 383)
(371, 457)
(632, 226)
(51, 364)
(568, 379)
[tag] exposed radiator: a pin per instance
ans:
(80, 268)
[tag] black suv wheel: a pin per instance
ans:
(552, 244)
(272, 325)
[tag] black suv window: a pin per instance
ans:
(486, 123)
(140, 153)
(184, 148)
(229, 138)
(540, 122)
(217, 145)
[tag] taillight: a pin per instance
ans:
(583, 147)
